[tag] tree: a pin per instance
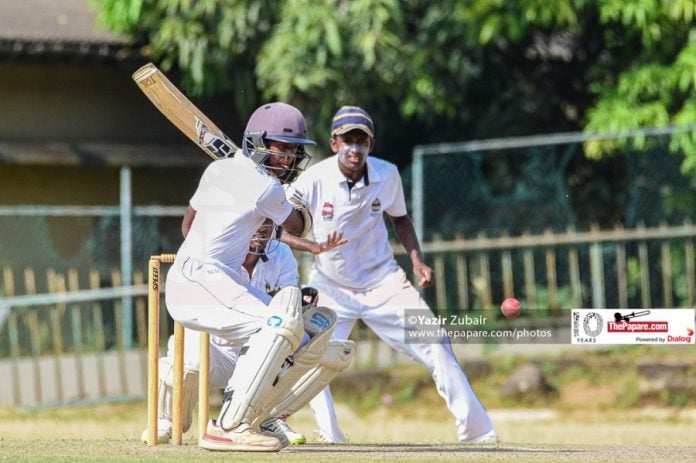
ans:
(447, 70)
(656, 83)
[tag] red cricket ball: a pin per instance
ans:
(511, 307)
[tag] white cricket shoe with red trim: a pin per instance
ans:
(240, 439)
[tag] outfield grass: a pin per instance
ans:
(418, 433)
(595, 416)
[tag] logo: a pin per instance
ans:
(327, 211)
(376, 207)
(619, 317)
(592, 324)
(212, 143)
(274, 321)
(155, 279)
(654, 326)
(320, 320)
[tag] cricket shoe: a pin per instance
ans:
(279, 427)
(241, 439)
(487, 439)
(326, 438)
(164, 432)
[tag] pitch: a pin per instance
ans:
(111, 433)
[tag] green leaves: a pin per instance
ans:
(657, 87)
(470, 68)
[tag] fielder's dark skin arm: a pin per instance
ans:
(294, 224)
(407, 236)
(302, 244)
(299, 244)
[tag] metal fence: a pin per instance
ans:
(70, 346)
(513, 185)
(615, 268)
(525, 237)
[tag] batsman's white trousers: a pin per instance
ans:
(203, 297)
(382, 309)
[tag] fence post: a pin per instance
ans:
(462, 279)
(597, 272)
(529, 276)
(689, 268)
(9, 285)
(574, 270)
(666, 264)
(126, 253)
(442, 307)
(417, 193)
(508, 277)
(644, 262)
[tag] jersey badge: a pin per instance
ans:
(376, 207)
(327, 211)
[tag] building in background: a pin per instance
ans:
(70, 119)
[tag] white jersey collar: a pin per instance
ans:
(371, 173)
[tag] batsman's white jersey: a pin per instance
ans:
(205, 288)
(279, 270)
(361, 280)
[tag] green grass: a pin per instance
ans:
(597, 403)
(573, 376)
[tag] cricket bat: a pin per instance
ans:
(182, 113)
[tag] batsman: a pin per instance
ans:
(279, 368)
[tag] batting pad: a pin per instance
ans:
(165, 402)
(338, 355)
(262, 358)
(319, 323)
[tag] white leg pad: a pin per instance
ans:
(319, 323)
(338, 355)
(262, 358)
(166, 392)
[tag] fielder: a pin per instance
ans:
(361, 279)
(285, 356)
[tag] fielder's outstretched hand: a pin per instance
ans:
(424, 273)
(334, 239)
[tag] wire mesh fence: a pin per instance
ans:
(540, 222)
(534, 185)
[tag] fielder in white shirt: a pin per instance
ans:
(350, 192)
(206, 289)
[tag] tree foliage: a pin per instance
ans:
(447, 70)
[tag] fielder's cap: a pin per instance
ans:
(351, 118)
(281, 122)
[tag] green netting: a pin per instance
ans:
(551, 187)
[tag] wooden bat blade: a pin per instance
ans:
(182, 112)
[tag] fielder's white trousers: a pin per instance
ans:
(382, 310)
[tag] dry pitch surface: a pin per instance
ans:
(110, 433)
(72, 450)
